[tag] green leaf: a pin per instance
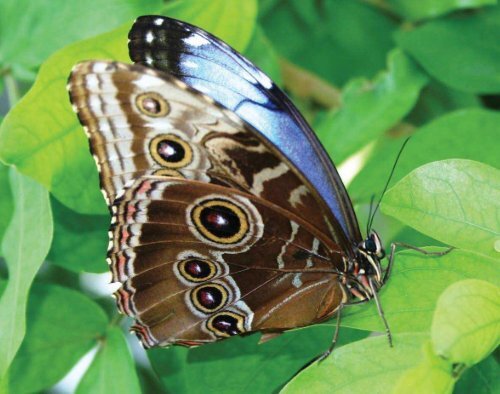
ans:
(436, 100)
(462, 52)
(42, 128)
(40, 27)
(367, 366)
(481, 378)
(466, 134)
(335, 39)
(432, 375)
(241, 365)
(62, 326)
(80, 241)
(415, 10)
(466, 325)
(113, 369)
(41, 135)
(230, 20)
(410, 295)
(25, 245)
(454, 201)
(6, 200)
(371, 108)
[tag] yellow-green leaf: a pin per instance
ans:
(466, 325)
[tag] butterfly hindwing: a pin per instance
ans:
(200, 262)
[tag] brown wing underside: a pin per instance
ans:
(188, 281)
(214, 233)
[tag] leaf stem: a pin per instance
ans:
(306, 85)
(12, 88)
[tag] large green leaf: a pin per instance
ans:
(113, 369)
(367, 366)
(371, 108)
(6, 200)
(466, 325)
(335, 39)
(465, 134)
(42, 136)
(461, 52)
(62, 326)
(454, 201)
(410, 295)
(25, 245)
(80, 241)
(31, 30)
(414, 10)
(241, 365)
(232, 21)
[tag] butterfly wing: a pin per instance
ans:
(211, 66)
(141, 121)
(201, 262)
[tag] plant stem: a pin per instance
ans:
(12, 89)
(306, 85)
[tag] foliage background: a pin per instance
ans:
(366, 74)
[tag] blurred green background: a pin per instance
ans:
(366, 75)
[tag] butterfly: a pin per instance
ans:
(228, 216)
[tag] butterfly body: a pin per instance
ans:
(218, 228)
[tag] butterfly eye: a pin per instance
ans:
(370, 246)
(170, 151)
(220, 221)
(226, 324)
(209, 298)
(197, 270)
(152, 104)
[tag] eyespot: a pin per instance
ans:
(197, 270)
(220, 221)
(170, 151)
(209, 298)
(226, 324)
(152, 104)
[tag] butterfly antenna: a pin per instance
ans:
(370, 221)
(369, 214)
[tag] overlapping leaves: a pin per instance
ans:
(453, 201)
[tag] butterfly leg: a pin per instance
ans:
(335, 336)
(395, 245)
(381, 312)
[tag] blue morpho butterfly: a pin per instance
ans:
(228, 215)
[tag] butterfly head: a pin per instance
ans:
(367, 268)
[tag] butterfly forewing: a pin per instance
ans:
(145, 122)
(211, 66)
